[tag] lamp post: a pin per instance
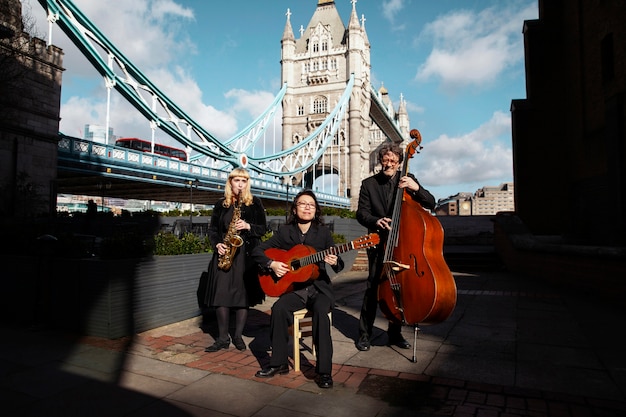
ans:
(192, 184)
(102, 186)
(285, 181)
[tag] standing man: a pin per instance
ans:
(375, 208)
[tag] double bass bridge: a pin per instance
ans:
(396, 266)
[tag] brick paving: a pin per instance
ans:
(579, 369)
(422, 394)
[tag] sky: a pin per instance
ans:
(456, 63)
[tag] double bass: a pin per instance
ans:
(416, 285)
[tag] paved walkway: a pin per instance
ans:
(512, 347)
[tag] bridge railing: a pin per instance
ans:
(179, 173)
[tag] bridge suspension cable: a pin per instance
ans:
(120, 73)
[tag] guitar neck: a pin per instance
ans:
(319, 256)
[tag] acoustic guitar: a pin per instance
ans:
(302, 261)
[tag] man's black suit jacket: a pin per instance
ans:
(377, 196)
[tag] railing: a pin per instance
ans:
(210, 179)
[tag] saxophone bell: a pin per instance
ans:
(236, 241)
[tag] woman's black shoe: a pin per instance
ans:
(239, 343)
(218, 345)
(272, 370)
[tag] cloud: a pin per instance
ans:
(147, 32)
(475, 157)
(471, 48)
(151, 34)
(164, 9)
(253, 103)
(391, 8)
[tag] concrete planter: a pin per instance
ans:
(104, 298)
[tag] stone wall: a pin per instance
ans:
(30, 100)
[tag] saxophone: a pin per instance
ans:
(232, 240)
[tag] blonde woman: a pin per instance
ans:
(234, 286)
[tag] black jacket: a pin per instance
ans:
(376, 199)
(253, 214)
(318, 237)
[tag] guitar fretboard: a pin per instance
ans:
(319, 256)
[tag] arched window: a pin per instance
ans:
(320, 105)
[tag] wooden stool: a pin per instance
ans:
(303, 326)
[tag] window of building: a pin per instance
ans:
(320, 105)
(300, 110)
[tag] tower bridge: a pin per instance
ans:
(333, 121)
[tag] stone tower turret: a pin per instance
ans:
(317, 66)
(30, 101)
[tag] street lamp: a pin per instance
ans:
(192, 184)
(102, 186)
(285, 181)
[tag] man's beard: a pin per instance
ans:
(390, 173)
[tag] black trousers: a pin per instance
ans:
(282, 318)
(370, 299)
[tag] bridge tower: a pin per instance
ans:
(317, 67)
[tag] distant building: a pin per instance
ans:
(488, 200)
(455, 205)
(491, 200)
(97, 133)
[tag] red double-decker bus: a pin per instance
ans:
(145, 146)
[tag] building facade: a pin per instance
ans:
(98, 134)
(317, 66)
(30, 101)
(569, 134)
(486, 201)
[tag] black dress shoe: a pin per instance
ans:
(325, 381)
(218, 345)
(239, 343)
(363, 343)
(272, 370)
(399, 341)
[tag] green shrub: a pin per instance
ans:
(169, 244)
(343, 213)
(339, 238)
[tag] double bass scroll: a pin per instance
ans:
(416, 283)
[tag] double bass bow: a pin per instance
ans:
(416, 285)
